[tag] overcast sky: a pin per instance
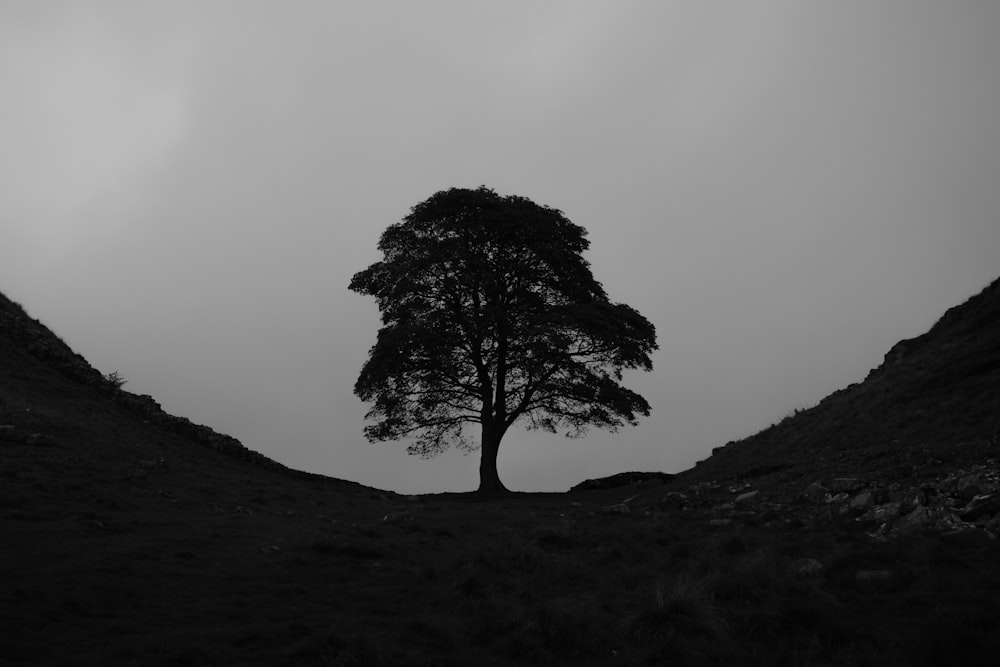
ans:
(784, 188)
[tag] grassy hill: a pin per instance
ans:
(859, 532)
(939, 391)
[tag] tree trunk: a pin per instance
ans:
(489, 480)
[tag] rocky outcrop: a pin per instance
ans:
(621, 479)
(965, 501)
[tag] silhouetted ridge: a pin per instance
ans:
(621, 479)
(21, 333)
(941, 388)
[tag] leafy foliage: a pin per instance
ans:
(490, 315)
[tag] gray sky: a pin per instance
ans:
(784, 188)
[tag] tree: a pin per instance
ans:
(490, 316)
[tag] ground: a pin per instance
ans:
(179, 556)
(860, 532)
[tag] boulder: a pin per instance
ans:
(746, 497)
(845, 485)
(862, 502)
(816, 493)
(970, 486)
(935, 518)
(984, 506)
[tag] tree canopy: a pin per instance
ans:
(491, 316)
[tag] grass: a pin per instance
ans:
(111, 558)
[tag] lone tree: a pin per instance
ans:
(490, 315)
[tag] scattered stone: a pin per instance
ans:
(862, 502)
(816, 493)
(873, 578)
(720, 523)
(911, 499)
(620, 508)
(981, 506)
(744, 497)
(805, 567)
(273, 548)
(13, 435)
(973, 485)
(925, 518)
(845, 485)
(882, 513)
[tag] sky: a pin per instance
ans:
(785, 188)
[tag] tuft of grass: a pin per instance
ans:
(681, 605)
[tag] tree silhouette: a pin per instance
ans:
(490, 316)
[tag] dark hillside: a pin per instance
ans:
(132, 537)
(35, 363)
(935, 396)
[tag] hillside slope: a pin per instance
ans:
(934, 397)
(39, 369)
(130, 536)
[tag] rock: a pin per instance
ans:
(816, 493)
(13, 435)
(745, 497)
(921, 518)
(971, 486)
(918, 518)
(981, 506)
(845, 485)
(910, 500)
(622, 479)
(862, 502)
(882, 513)
(882, 496)
(720, 523)
(620, 508)
(676, 500)
(873, 578)
(805, 567)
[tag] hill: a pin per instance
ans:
(936, 396)
(130, 536)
